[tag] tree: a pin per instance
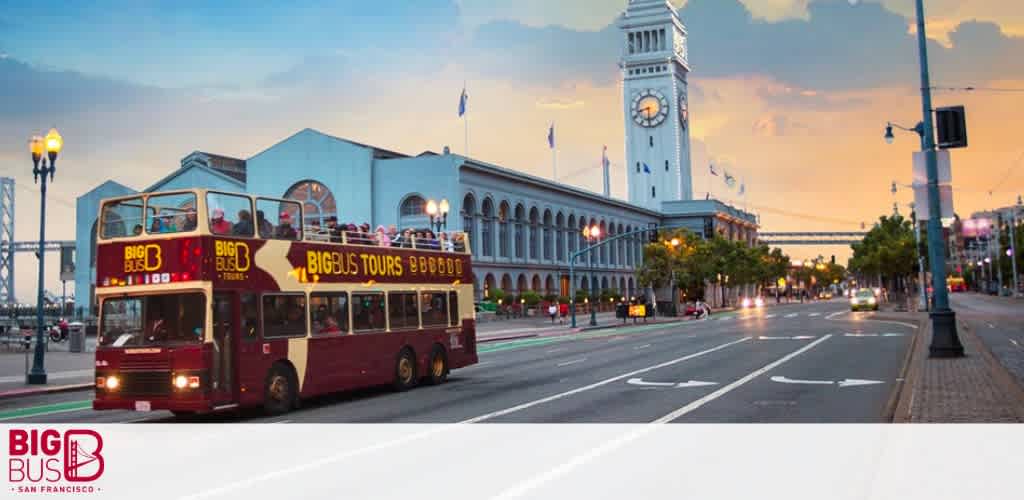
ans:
(888, 250)
(688, 261)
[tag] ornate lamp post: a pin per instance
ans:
(593, 236)
(52, 144)
(438, 213)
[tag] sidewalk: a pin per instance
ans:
(64, 370)
(971, 389)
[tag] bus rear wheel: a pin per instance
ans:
(438, 366)
(405, 370)
(279, 391)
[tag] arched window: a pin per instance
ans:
(469, 221)
(535, 284)
(628, 247)
(571, 228)
(318, 202)
(534, 237)
(503, 215)
(604, 248)
(560, 237)
(611, 246)
(520, 220)
(621, 244)
(488, 285)
(521, 285)
(487, 228)
(548, 250)
(412, 212)
(581, 239)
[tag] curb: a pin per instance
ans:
(627, 325)
(897, 407)
(21, 393)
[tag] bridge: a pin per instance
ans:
(812, 238)
(9, 247)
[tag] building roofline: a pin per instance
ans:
(377, 152)
(167, 178)
(552, 185)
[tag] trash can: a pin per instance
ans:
(76, 334)
(622, 311)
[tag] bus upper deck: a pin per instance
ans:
(217, 213)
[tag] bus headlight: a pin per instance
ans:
(111, 383)
(186, 382)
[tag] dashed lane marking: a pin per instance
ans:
(573, 362)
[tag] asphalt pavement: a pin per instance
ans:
(797, 363)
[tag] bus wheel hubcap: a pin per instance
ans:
(279, 388)
(405, 369)
(438, 366)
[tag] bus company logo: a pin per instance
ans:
(40, 459)
(232, 259)
(140, 258)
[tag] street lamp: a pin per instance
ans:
(52, 144)
(438, 213)
(945, 342)
(592, 235)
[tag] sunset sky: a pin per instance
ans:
(791, 96)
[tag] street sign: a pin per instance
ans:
(638, 311)
(951, 125)
(67, 263)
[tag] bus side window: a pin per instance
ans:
(329, 312)
(368, 312)
(434, 309)
(284, 316)
(453, 308)
(402, 310)
(250, 317)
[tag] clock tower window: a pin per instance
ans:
(653, 192)
(666, 165)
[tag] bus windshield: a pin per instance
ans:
(153, 320)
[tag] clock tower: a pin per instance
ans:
(655, 100)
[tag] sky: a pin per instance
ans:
(791, 96)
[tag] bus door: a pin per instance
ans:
(225, 342)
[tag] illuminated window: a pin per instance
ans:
(317, 202)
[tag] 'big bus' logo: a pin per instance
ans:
(340, 263)
(140, 258)
(232, 259)
(39, 459)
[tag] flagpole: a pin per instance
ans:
(465, 122)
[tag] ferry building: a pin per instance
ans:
(522, 228)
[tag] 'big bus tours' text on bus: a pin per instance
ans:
(211, 300)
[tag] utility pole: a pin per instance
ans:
(1013, 250)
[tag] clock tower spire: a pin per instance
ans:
(654, 69)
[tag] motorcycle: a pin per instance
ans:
(58, 334)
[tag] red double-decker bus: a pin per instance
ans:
(212, 300)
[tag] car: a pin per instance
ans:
(747, 302)
(864, 300)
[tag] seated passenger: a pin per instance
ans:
(382, 237)
(157, 226)
(266, 229)
(137, 230)
(285, 231)
(189, 224)
(217, 223)
(244, 225)
(333, 230)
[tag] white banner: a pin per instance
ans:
(536, 461)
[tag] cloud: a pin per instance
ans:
(560, 104)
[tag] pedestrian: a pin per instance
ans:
(553, 312)
(563, 311)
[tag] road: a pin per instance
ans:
(793, 363)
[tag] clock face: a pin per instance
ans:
(684, 111)
(650, 108)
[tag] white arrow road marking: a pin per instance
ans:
(640, 381)
(798, 337)
(770, 316)
(854, 382)
(645, 346)
(837, 313)
(849, 382)
(792, 315)
(860, 334)
(803, 337)
(694, 383)
(773, 338)
(814, 314)
(892, 334)
(784, 380)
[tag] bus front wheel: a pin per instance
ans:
(405, 370)
(438, 366)
(279, 391)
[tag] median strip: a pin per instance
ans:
(34, 411)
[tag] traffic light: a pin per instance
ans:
(951, 125)
(833, 260)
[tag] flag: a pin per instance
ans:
(551, 136)
(647, 169)
(604, 157)
(462, 102)
(729, 180)
(712, 167)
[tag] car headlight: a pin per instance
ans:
(746, 302)
(871, 301)
(759, 302)
(853, 302)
